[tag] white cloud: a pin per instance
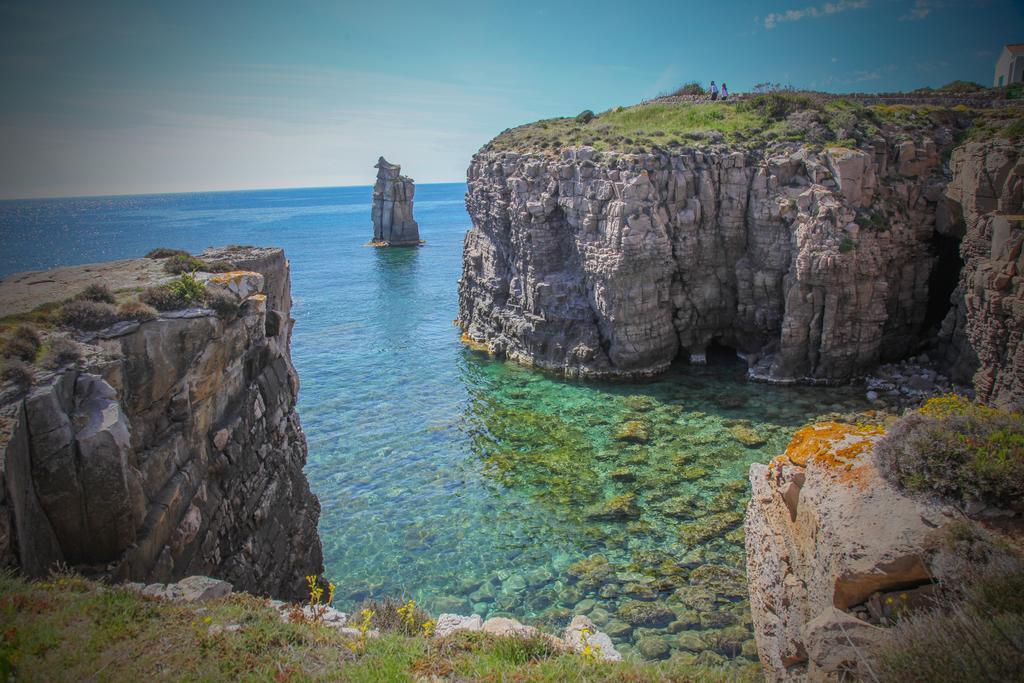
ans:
(922, 8)
(775, 18)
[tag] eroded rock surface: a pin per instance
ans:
(176, 450)
(824, 533)
(986, 327)
(613, 265)
(393, 222)
(815, 266)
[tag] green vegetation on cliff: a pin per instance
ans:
(961, 450)
(756, 121)
(70, 629)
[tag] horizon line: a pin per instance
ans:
(56, 197)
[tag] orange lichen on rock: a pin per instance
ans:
(835, 445)
(474, 344)
(233, 277)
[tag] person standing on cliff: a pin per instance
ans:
(725, 91)
(714, 91)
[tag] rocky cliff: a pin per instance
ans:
(393, 222)
(986, 326)
(831, 547)
(814, 264)
(173, 448)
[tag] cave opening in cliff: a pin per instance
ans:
(718, 353)
(943, 280)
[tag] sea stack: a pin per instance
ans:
(393, 224)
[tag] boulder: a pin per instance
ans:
(824, 531)
(448, 624)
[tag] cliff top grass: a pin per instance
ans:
(753, 122)
(67, 628)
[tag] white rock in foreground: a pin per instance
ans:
(824, 531)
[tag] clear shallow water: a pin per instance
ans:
(467, 483)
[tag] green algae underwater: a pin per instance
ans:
(621, 501)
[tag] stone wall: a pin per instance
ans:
(175, 449)
(814, 265)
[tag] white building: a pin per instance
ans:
(1010, 67)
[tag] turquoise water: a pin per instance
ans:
(468, 483)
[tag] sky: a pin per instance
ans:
(110, 97)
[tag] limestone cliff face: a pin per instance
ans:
(816, 265)
(175, 450)
(986, 326)
(828, 542)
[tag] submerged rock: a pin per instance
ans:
(615, 508)
(634, 431)
(653, 647)
(592, 571)
(748, 436)
(650, 614)
(708, 527)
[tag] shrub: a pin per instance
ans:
(692, 88)
(62, 352)
(585, 116)
(873, 220)
(165, 252)
(776, 106)
(23, 343)
(96, 292)
(957, 449)
(184, 263)
(962, 87)
(185, 291)
(226, 305)
(17, 372)
(847, 245)
(188, 288)
(89, 315)
(136, 310)
(161, 298)
(768, 86)
(395, 616)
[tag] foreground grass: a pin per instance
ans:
(72, 629)
(974, 631)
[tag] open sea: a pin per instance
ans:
(467, 483)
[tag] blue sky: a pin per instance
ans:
(119, 98)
